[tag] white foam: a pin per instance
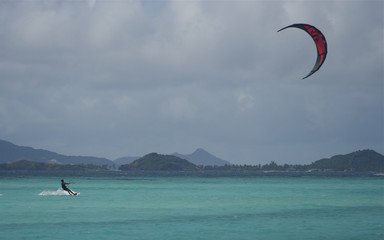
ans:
(54, 193)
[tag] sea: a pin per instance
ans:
(176, 206)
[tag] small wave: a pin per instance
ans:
(1, 194)
(53, 193)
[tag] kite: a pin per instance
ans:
(321, 44)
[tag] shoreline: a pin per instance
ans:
(208, 173)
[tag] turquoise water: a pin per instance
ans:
(126, 207)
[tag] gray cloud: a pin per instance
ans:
(116, 78)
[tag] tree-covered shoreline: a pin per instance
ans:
(31, 165)
(359, 161)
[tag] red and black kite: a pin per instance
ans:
(321, 44)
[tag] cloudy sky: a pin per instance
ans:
(126, 78)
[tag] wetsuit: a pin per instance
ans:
(64, 187)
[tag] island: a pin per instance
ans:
(159, 162)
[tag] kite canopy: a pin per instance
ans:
(321, 44)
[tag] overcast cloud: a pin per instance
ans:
(125, 78)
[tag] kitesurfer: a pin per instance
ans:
(65, 188)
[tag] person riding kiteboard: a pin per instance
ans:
(65, 188)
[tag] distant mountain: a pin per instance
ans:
(10, 152)
(360, 161)
(202, 157)
(124, 160)
(156, 162)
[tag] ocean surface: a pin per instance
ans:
(191, 207)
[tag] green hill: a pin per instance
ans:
(10, 152)
(361, 161)
(155, 162)
(29, 165)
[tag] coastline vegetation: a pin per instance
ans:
(30, 165)
(359, 161)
